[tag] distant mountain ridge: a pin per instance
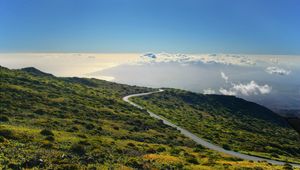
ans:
(35, 71)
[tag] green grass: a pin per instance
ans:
(227, 121)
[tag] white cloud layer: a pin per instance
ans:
(226, 59)
(223, 75)
(251, 88)
(278, 71)
(209, 91)
(68, 64)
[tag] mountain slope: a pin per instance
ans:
(35, 71)
(228, 121)
(75, 123)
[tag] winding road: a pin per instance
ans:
(199, 140)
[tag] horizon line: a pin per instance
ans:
(77, 52)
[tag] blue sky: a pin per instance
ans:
(117, 26)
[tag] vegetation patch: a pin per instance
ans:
(73, 123)
(230, 122)
(47, 132)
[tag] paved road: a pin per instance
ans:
(199, 140)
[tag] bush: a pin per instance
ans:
(33, 162)
(175, 151)
(287, 166)
(274, 155)
(134, 164)
(192, 160)
(50, 138)
(116, 128)
(73, 129)
(151, 150)
(90, 126)
(84, 142)
(226, 147)
(8, 134)
(2, 139)
(210, 162)
(4, 119)
(68, 167)
(235, 159)
(40, 112)
(47, 144)
(92, 168)
(161, 149)
(14, 166)
(131, 144)
(47, 132)
(82, 136)
(78, 149)
(199, 148)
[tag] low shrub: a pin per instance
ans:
(175, 151)
(90, 126)
(78, 149)
(192, 160)
(84, 142)
(68, 167)
(116, 128)
(2, 139)
(8, 134)
(287, 166)
(47, 132)
(151, 150)
(235, 159)
(161, 149)
(134, 164)
(40, 112)
(131, 144)
(226, 147)
(4, 119)
(82, 136)
(14, 166)
(50, 138)
(33, 162)
(47, 144)
(274, 155)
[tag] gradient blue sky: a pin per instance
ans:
(185, 26)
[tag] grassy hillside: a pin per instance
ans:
(228, 121)
(74, 123)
